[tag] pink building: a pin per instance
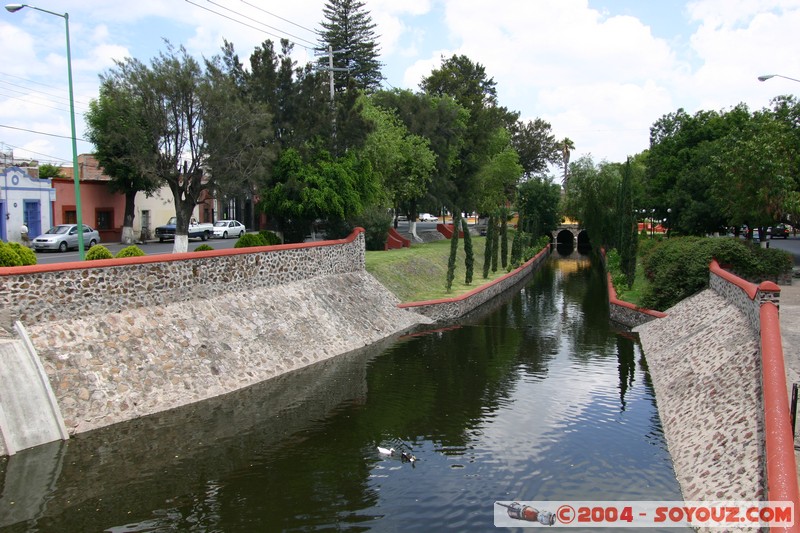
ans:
(100, 208)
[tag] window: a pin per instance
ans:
(105, 219)
(70, 217)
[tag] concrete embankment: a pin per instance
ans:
(719, 372)
(704, 361)
(124, 338)
(144, 360)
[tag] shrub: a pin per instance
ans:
(376, 223)
(26, 255)
(98, 251)
(678, 267)
(130, 251)
(203, 248)
(249, 240)
(8, 256)
(270, 237)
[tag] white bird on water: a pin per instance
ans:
(385, 451)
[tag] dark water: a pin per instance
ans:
(535, 399)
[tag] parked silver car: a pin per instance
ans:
(64, 237)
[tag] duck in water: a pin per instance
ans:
(385, 451)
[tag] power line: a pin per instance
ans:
(43, 133)
(278, 17)
(51, 157)
(244, 23)
(32, 102)
(55, 96)
(258, 22)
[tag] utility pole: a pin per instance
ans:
(330, 68)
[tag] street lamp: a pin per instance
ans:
(669, 222)
(765, 77)
(13, 8)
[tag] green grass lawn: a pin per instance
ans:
(420, 272)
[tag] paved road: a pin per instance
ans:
(791, 244)
(154, 247)
(150, 248)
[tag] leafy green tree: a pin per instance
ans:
(50, 171)
(680, 170)
(443, 122)
(500, 173)
(349, 31)
(117, 129)
(590, 198)
(538, 201)
(468, 84)
(172, 94)
(755, 164)
(236, 129)
(536, 146)
(402, 160)
(322, 188)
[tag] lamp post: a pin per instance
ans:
(13, 8)
(669, 222)
(765, 77)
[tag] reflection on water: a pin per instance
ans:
(532, 398)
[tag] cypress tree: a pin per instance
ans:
(516, 244)
(504, 239)
(469, 260)
(627, 235)
(451, 262)
(487, 251)
(495, 243)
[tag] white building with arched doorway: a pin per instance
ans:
(27, 200)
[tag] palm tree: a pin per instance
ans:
(566, 148)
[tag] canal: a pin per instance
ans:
(536, 398)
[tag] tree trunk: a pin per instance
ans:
(130, 214)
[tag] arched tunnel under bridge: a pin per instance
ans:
(571, 236)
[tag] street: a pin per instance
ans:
(151, 248)
(790, 244)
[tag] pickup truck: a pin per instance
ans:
(196, 231)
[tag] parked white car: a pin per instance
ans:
(228, 228)
(427, 217)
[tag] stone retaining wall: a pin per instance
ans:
(122, 339)
(42, 293)
(746, 296)
(446, 309)
(717, 368)
(626, 313)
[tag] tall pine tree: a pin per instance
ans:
(349, 31)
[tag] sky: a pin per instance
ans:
(601, 72)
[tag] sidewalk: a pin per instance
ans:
(790, 335)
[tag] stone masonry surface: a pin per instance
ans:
(64, 294)
(147, 359)
(704, 360)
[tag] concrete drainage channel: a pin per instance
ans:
(29, 413)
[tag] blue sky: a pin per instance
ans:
(599, 71)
